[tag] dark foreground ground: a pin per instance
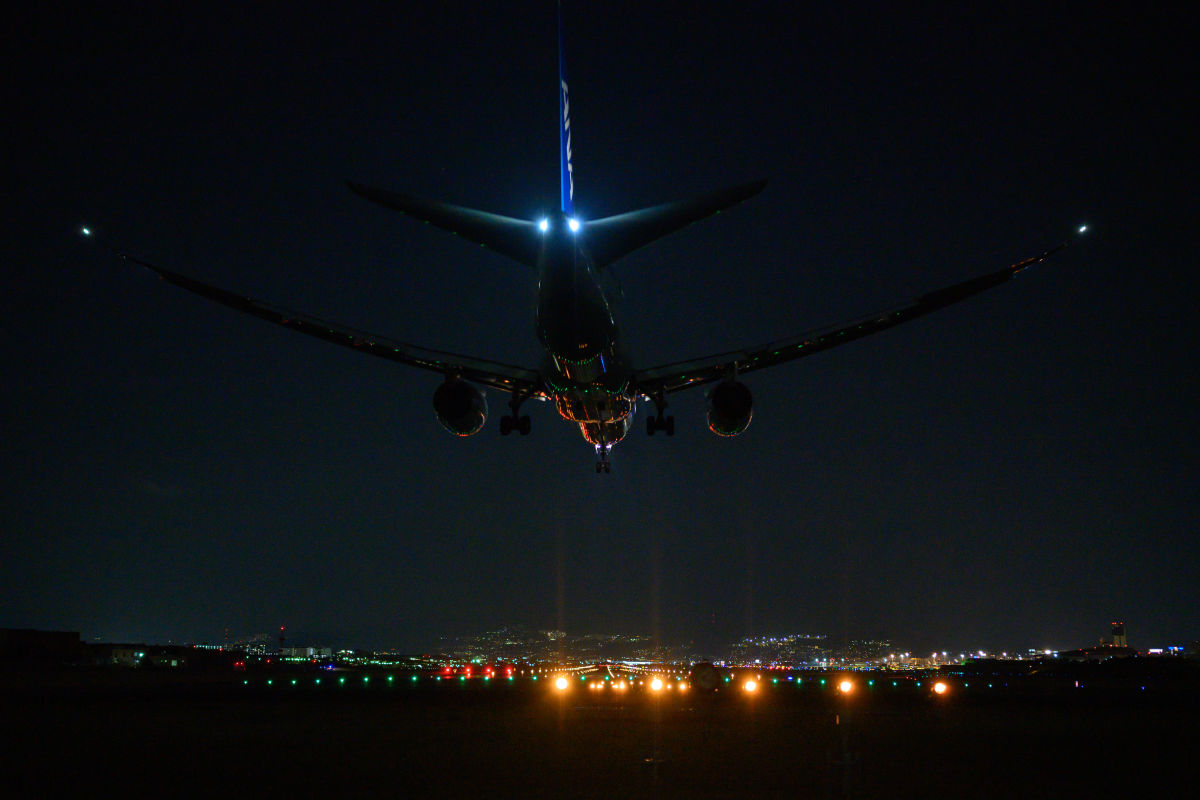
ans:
(144, 739)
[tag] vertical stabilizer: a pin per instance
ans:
(564, 129)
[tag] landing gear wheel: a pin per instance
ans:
(659, 422)
(602, 463)
(514, 422)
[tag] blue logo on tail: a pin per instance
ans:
(568, 171)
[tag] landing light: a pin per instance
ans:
(750, 685)
(656, 684)
(544, 225)
(86, 231)
(561, 683)
(1082, 228)
(940, 688)
(846, 687)
(573, 224)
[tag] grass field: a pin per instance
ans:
(150, 738)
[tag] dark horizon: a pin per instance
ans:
(1018, 468)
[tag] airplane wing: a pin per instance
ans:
(505, 377)
(680, 375)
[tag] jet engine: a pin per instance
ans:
(730, 408)
(460, 407)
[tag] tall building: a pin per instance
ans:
(1118, 634)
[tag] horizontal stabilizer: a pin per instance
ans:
(516, 238)
(613, 237)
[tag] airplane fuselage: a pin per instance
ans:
(585, 368)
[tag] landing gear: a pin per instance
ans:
(602, 462)
(659, 422)
(514, 422)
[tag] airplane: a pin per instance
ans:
(585, 371)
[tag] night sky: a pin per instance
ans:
(1017, 470)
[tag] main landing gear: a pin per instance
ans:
(513, 422)
(659, 422)
(602, 462)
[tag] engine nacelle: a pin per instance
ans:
(460, 407)
(730, 408)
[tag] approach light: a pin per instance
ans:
(940, 688)
(544, 225)
(750, 685)
(656, 684)
(846, 687)
(561, 683)
(573, 224)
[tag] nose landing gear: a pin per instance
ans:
(602, 462)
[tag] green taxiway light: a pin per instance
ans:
(293, 681)
(269, 682)
(414, 678)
